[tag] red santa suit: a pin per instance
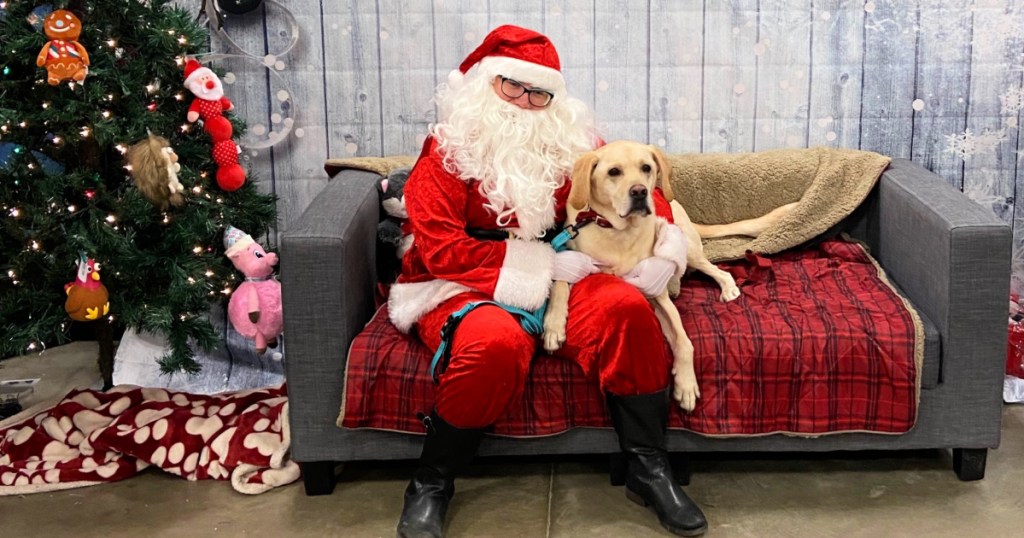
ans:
(490, 352)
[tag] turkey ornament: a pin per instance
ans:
(87, 296)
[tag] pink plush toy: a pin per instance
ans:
(255, 307)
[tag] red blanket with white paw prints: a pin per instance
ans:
(91, 437)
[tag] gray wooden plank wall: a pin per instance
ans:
(937, 81)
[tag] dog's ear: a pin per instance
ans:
(664, 172)
(579, 192)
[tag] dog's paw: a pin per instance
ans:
(730, 293)
(685, 390)
(553, 339)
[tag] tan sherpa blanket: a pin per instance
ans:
(378, 165)
(717, 188)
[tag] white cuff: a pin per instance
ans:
(671, 244)
(525, 278)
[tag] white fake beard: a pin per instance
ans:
(520, 157)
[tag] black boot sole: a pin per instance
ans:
(635, 497)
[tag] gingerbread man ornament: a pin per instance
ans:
(63, 57)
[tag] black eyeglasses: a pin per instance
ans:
(514, 89)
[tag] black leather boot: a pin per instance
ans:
(446, 451)
(641, 422)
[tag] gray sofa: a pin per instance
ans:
(950, 256)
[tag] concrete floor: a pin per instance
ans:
(842, 495)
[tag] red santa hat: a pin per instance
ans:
(517, 53)
(194, 70)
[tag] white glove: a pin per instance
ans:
(651, 275)
(671, 244)
(571, 266)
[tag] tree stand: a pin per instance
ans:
(105, 359)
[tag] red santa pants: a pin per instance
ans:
(612, 332)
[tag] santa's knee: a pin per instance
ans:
(622, 305)
(492, 340)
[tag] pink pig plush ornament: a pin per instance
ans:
(255, 306)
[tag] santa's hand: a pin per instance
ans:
(192, 117)
(651, 275)
(571, 266)
(671, 244)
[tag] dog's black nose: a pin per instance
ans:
(637, 192)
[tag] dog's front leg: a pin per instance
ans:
(724, 280)
(684, 378)
(556, 316)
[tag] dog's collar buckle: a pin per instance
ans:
(586, 217)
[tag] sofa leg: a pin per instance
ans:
(969, 463)
(617, 468)
(318, 477)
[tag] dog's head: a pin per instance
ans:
(618, 178)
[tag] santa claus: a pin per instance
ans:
(491, 179)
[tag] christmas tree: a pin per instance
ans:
(67, 189)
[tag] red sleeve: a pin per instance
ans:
(661, 205)
(436, 203)
(513, 271)
(194, 107)
(226, 104)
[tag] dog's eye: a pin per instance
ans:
(614, 172)
(646, 168)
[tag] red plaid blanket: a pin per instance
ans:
(818, 343)
(91, 437)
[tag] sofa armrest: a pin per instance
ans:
(952, 258)
(328, 282)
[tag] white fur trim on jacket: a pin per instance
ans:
(670, 243)
(409, 301)
(525, 278)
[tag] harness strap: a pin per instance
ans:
(571, 231)
(532, 323)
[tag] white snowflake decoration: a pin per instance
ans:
(1012, 100)
(984, 190)
(968, 144)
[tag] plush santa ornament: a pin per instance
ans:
(210, 105)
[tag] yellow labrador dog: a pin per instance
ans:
(616, 181)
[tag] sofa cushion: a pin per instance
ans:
(818, 343)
